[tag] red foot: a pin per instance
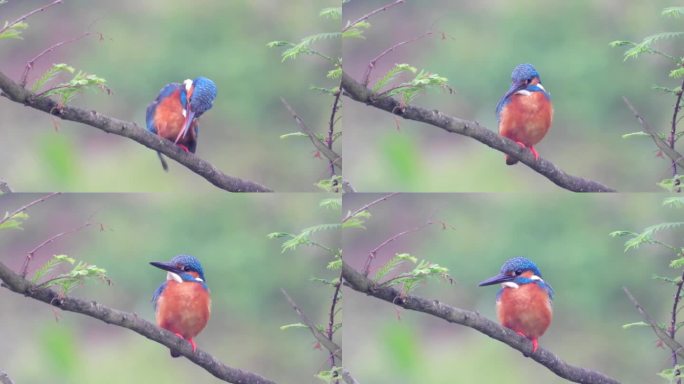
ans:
(194, 346)
(521, 144)
(535, 344)
(534, 152)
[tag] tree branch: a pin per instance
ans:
(473, 129)
(5, 379)
(27, 206)
(16, 283)
(18, 94)
(26, 16)
(31, 253)
(372, 13)
(318, 143)
(360, 283)
(331, 346)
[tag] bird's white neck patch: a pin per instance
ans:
(199, 279)
(510, 284)
(541, 87)
(523, 92)
(187, 83)
(173, 276)
(535, 277)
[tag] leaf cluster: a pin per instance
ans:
(66, 91)
(420, 82)
(79, 273)
(421, 271)
(13, 220)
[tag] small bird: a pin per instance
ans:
(523, 303)
(174, 114)
(182, 303)
(525, 111)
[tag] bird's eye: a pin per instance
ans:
(518, 272)
(186, 268)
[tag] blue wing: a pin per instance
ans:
(163, 93)
(157, 293)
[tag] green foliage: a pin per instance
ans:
(637, 324)
(68, 90)
(673, 11)
(421, 272)
(13, 31)
(334, 203)
(79, 273)
(422, 82)
(14, 221)
(356, 31)
(674, 202)
(392, 74)
(646, 45)
(333, 13)
(330, 375)
(672, 374)
(671, 184)
(645, 237)
(330, 185)
(357, 220)
(293, 325)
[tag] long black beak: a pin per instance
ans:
(167, 267)
(500, 278)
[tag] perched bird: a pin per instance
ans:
(174, 114)
(182, 303)
(525, 111)
(523, 303)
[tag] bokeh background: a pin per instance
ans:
(151, 43)
(566, 236)
(567, 41)
(244, 269)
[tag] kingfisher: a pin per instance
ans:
(525, 112)
(523, 303)
(174, 114)
(182, 303)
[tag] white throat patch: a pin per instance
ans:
(173, 276)
(541, 87)
(523, 92)
(187, 83)
(510, 284)
(535, 277)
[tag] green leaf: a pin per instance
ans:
(335, 265)
(674, 202)
(677, 73)
(634, 134)
(304, 46)
(15, 221)
(334, 203)
(13, 31)
(293, 134)
(637, 324)
(392, 74)
(333, 13)
(677, 263)
(334, 73)
(673, 11)
(50, 74)
(356, 31)
(294, 325)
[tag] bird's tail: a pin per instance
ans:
(510, 160)
(174, 353)
(166, 169)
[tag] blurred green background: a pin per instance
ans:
(244, 269)
(152, 43)
(567, 41)
(566, 236)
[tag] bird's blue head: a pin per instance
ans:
(524, 73)
(182, 268)
(201, 93)
(517, 270)
(198, 97)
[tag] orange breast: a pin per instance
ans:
(168, 118)
(184, 308)
(526, 309)
(526, 118)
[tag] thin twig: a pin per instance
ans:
(318, 143)
(671, 153)
(27, 206)
(662, 335)
(673, 323)
(331, 346)
(31, 63)
(331, 126)
(370, 14)
(331, 317)
(31, 253)
(673, 133)
(367, 206)
(373, 253)
(371, 64)
(26, 16)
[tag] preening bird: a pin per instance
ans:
(523, 303)
(174, 114)
(182, 303)
(525, 111)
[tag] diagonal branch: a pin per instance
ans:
(662, 335)
(331, 346)
(26, 16)
(27, 206)
(18, 284)
(371, 14)
(473, 129)
(675, 156)
(18, 94)
(318, 143)
(360, 283)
